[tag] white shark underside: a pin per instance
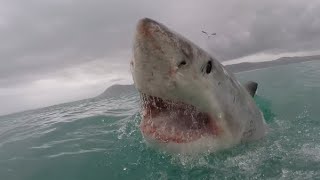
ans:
(190, 102)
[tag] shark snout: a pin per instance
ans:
(147, 28)
(150, 48)
(152, 69)
(147, 37)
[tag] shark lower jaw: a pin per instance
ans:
(167, 121)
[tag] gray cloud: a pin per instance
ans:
(273, 27)
(40, 39)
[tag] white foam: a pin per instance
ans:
(205, 144)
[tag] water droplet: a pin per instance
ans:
(125, 169)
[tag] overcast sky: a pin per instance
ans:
(55, 51)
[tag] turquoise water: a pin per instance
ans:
(100, 139)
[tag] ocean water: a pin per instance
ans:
(100, 138)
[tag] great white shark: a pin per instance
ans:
(190, 102)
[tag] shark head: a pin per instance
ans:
(189, 101)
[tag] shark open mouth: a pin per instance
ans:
(169, 121)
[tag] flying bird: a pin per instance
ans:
(212, 34)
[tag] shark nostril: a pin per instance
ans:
(209, 67)
(182, 63)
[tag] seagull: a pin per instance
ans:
(212, 34)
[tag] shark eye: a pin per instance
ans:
(182, 63)
(209, 67)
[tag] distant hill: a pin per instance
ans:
(117, 90)
(246, 66)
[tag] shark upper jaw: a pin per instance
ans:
(167, 121)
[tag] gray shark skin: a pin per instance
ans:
(190, 103)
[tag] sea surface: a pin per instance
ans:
(100, 139)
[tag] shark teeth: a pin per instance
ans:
(170, 121)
